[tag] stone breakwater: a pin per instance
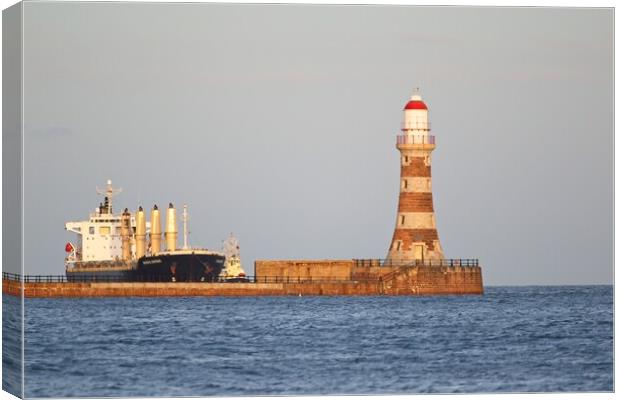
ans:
(306, 278)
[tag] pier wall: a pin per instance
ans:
(394, 279)
(304, 269)
(173, 289)
(436, 281)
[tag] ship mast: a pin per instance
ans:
(108, 192)
(185, 231)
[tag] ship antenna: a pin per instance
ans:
(185, 232)
(109, 192)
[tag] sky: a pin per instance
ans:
(278, 123)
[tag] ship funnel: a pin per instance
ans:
(126, 235)
(155, 231)
(140, 233)
(171, 228)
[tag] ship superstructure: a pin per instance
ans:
(99, 237)
(115, 246)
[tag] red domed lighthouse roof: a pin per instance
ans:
(415, 102)
(415, 105)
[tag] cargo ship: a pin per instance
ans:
(114, 247)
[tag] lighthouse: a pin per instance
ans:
(415, 235)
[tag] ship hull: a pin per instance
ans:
(185, 267)
(101, 272)
(166, 267)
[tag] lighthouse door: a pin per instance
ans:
(419, 252)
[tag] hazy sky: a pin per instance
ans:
(278, 123)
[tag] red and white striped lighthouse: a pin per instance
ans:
(415, 236)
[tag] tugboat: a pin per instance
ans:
(232, 272)
(113, 247)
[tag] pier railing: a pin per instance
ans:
(447, 262)
(105, 278)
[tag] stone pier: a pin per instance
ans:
(284, 278)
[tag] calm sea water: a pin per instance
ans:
(512, 339)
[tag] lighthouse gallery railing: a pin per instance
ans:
(415, 139)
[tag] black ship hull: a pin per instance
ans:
(184, 266)
(179, 267)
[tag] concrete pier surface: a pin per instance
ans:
(293, 278)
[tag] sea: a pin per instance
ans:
(511, 339)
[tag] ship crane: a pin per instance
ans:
(185, 228)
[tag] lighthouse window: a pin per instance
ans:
(398, 245)
(405, 183)
(91, 230)
(402, 220)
